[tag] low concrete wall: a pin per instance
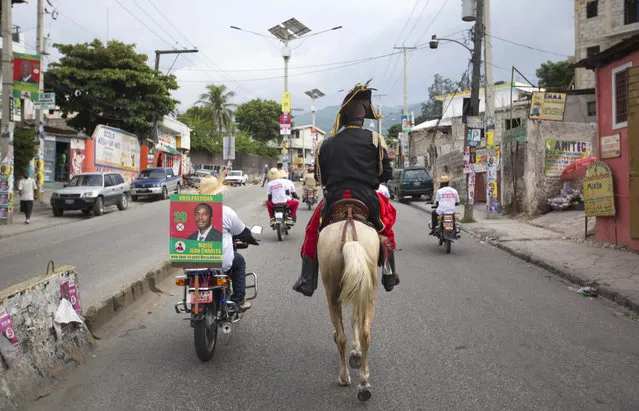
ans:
(32, 352)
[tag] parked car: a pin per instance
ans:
(156, 182)
(236, 177)
(193, 180)
(91, 192)
(412, 181)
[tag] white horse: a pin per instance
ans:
(349, 274)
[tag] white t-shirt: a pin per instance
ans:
(290, 187)
(447, 197)
(384, 190)
(277, 189)
(231, 225)
(27, 186)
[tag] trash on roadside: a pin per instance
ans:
(587, 291)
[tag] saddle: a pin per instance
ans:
(340, 211)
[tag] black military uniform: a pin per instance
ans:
(355, 159)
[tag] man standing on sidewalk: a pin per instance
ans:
(265, 174)
(27, 187)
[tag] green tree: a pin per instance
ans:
(217, 107)
(23, 150)
(109, 85)
(394, 130)
(202, 127)
(260, 119)
(555, 76)
(432, 109)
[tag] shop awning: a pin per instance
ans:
(167, 149)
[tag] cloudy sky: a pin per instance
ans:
(252, 66)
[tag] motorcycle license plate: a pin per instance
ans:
(204, 297)
(448, 218)
(448, 226)
(279, 215)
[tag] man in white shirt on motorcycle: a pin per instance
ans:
(446, 200)
(280, 190)
(384, 190)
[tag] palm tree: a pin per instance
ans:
(218, 107)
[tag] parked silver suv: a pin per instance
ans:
(91, 192)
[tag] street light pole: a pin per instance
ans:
(313, 94)
(404, 48)
(6, 137)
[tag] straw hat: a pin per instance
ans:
(283, 174)
(212, 185)
(444, 179)
(273, 174)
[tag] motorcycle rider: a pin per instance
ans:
(278, 191)
(233, 263)
(309, 181)
(446, 199)
(351, 164)
(293, 198)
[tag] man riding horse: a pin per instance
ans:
(351, 164)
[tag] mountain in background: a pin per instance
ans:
(325, 118)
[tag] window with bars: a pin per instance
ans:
(592, 9)
(592, 108)
(516, 122)
(621, 96)
(631, 11)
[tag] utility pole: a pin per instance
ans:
(474, 90)
(6, 136)
(379, 111)
(158, 53)
(405, 111)
(39, 124)
(489, 92)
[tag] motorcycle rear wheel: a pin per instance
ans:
(205, 335)
(447, 246)
(279, 230)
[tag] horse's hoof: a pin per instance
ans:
(364, 394)
(355, 360)
(344, 383)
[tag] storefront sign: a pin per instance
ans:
(561, 153)
(117, 149)
(599, 195)
(285, 124)
(166, 139)
(547, 106)
(195, 229)
(26, 76)
(610, 146)
(46, 101)
(286, 102)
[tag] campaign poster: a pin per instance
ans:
(69, 290)
(195, 230)
(26, 76)
(6, 327)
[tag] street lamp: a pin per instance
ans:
(313, 94)
(286, 32)
(434, 43)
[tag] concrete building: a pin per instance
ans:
(600, 24)
(302, 144)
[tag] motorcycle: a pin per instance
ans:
(448, 229)
(206, 297)
(309, 197)
(282, 221)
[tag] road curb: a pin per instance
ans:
(603, 290)
(97, 316)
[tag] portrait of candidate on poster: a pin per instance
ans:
(195, 230)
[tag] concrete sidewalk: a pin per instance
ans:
(614, 272)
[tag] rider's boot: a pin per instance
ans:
(307, 283)
(272, 222)
(390, 280)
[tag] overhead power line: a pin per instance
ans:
(528, 47)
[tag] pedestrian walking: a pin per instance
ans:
(27, 187)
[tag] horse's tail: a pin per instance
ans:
(357, 282)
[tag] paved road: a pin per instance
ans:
(109, 251)
(477, 329)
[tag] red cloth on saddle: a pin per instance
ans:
(388, 217)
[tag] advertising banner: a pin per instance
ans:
(26, 76)
(69, 290)
(6, 327)
(471, 188)
(599, 195)
(405, 123)
(77, 156)
(561, 153)
(117, 149)
(195, 230)
(286, 102)
(547, 106)
(46, 101)
(285, 124)
(610, 146)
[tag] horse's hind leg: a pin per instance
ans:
(335, 310)
(355, 357)
(364, 389)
